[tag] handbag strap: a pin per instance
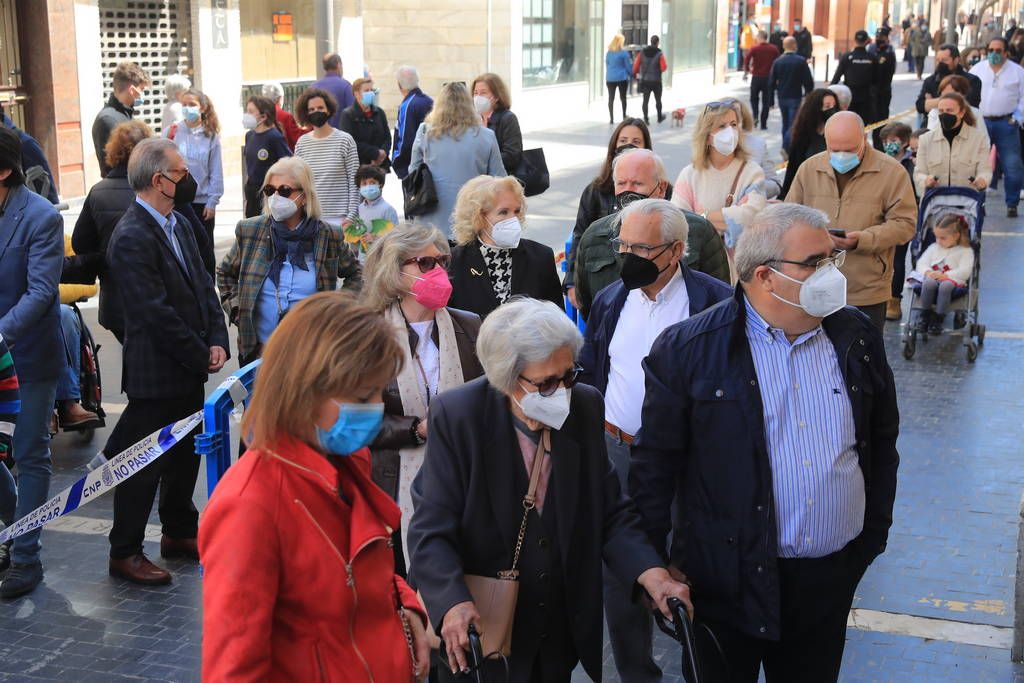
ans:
(529, 500)
(735, 182)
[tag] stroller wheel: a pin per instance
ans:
(981, 335)
(972, 352)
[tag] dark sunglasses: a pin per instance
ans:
(428, 263)
(549, 385)
(284, 191)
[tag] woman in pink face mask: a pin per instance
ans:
(406, 279)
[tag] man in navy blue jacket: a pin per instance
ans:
(790, 80)
(655, 290)
(411, 112)
(771, 421)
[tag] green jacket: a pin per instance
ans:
(597, 265)
(241, 274)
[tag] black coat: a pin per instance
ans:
(510, 139)
(703, 445)
(533, 275)
(371, 134)
(930, 88)
(469, 508)
(108, 118)
(172, 316)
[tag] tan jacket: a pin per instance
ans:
(878, 202)
(968, 158)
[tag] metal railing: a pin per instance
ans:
(292, 90)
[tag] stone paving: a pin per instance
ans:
(952, 550)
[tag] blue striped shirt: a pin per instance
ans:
(811, 438)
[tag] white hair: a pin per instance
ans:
(273, 90)
(408, 77)
(661, 175)
(175, 85)
(761, 241)
(674, 227)
(520, 332)
(843, 94)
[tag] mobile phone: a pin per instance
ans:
(837, 233)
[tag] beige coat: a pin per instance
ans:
(878, 202)
(956, 165)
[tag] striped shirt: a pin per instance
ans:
(10, 405)
(811, 437)
(334, 161)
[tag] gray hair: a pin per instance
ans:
(661, 175)
(761, 241)
(520, 332)
(383, 283)
(273, 90)
(674, 227)
(408, 77)
(843, 94)
(148, 158)
(175, 85)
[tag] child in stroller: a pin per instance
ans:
(943, 272)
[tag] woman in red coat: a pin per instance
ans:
(299, 579)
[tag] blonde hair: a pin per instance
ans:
(328, 345)
(502, 99)
(477, 197)
(618, 40)
(706, 124)
(453, 112)
(302, 174)
(383, 283)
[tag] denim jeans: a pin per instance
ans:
(1006, 137)
(789, 108)
(68, 386)
(32, 458)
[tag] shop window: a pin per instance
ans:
(555, 42)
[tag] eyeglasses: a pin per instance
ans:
(641, 250)
(284, 191)
(549, 385)
(728, 103)
(428, 263)
(838, 258)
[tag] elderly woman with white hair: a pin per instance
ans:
(493, 262)
(407, 282)
(174, 87)
(517, 484)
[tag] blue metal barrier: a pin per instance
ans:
(570, 310)
(215, 441)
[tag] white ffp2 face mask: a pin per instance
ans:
(482, 104)
(725, 140)
(507, 233)
(822, 294)
(282, 208)
(551, 411)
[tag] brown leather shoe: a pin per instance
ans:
(893, 310)
(74, 417)
(179, 547)
(138, 569)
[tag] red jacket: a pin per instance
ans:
(292, 131)
(760, 59)
(299, 586)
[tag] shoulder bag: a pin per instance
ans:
(418, 187)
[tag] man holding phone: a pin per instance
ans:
(869, 200)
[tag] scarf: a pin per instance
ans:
(499, 268)
(291, 244)
(415, 403)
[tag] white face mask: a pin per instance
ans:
(551, 411)
(505, 234)
(725, 140)
(249, 121)
(822, 294)
(282, 208)
(481, 104)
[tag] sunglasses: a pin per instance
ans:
(548, 386)
(284, 191)
(428, 263)
(728, 103)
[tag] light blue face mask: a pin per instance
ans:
(191, 113)
(843, 162)
(357, 425)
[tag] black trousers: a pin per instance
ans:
(877, 314)
(208, 224)
(174, 473)
(648, 87)
(253, 201)
(760, 98)
(612, 87)
(816, 598)
(899, 270)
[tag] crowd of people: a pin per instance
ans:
(440, 434)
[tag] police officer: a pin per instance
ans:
(860, 70)
(882, 50)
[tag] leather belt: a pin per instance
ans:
(618, 433)
(997, 118)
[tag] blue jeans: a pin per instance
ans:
(1006, 137)
(68, 386)
(789, 108)
(32, 458)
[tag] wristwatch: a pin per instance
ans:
(414, 430)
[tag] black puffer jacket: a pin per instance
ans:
(371, 133)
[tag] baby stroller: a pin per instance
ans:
(937, 203)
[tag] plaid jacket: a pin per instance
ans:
(241, 274)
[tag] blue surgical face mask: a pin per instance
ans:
(191, 114)
(370, 192)
(357, 425)
(368, 98)
(843, 162)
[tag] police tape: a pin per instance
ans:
(124, 465)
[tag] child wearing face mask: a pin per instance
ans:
(896, 142)
(375, 216)
(943, 272)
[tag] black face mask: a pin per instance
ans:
(318, 118)
(184, 190)
(826, 113)
(624, 199)
(622, 148)
(638, 271)
(882, 46)
(948, 121)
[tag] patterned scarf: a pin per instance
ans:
(499, 268)
(291, 244)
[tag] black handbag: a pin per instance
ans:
(532, 172)
(418, 187)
